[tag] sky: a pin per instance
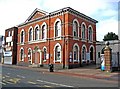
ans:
(15, 12)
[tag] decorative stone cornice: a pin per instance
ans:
(59, 12)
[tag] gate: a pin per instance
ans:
(115, 61)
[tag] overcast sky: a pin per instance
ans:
(14, 12)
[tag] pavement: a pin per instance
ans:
(90, 71)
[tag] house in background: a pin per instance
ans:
(10, 54)
(114, 45)
(1, 48)
(65, 38)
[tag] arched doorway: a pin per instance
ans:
(36, 55)
(91, 53)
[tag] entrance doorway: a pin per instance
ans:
(91, 53)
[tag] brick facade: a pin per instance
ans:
(69, 46)
(11, 43)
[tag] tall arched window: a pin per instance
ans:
(22, 36)
(83, 31)
(57, 53)
(90, 34)
(75, 28)
(45, 53)
(30, 55)
(30, 34)
(75, 52)
(43, 32)
(84, 53)
(36, 33)
(22, 54)
(57, 28)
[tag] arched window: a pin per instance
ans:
(43, 32)
(75, 28)
(83, 53)
(83, 31)
(45, 53)
(30, 34)
(57, 53)
(36, 33)
(57, 28)
(22, 36)
(30, 55)
(8, 33)
(76, 52)
(90, 34)
(22, 54)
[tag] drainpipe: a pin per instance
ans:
(49, 38)
(63, 48)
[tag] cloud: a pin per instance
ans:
(84, 6)
(14, 12)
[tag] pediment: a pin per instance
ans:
(36, 14)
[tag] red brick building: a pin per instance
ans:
(65, 38)
(10, 54)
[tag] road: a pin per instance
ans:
(16, 77)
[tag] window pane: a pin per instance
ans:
(75, 29)
(22, 54)
(22, 36)
(57, 29)
(43, 32)
(57, 53)
(36, 33)
(83, 31)
(44, 54)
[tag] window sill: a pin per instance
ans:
(90, 41)
(44, 60)
(75, 61)
(58, 61)
(57, 38)
(75, 38)
(83, 40)
(37, 41)
(21, 43)
(21, 60)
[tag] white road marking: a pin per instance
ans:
(31, 82)
(54, 83)
(14, 80)
(47, 86)
(7, 82)
(20, 76)
(2, 83)
(3, 77)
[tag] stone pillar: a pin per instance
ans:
(108, 57)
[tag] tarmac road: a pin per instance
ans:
(17, 77)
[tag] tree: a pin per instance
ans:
(110, 36)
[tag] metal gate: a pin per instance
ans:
(115, 60)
